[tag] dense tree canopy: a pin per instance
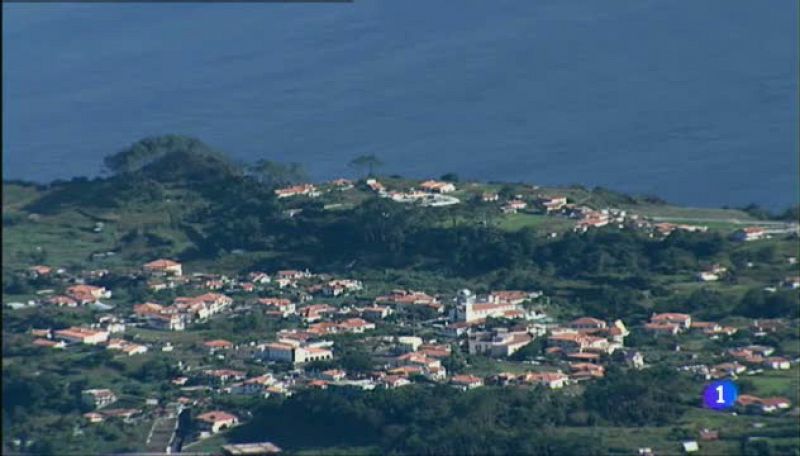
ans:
(441, 420)
(654, 396)
(758, 303)
(422, 420)
(148, 150)
(276, 174)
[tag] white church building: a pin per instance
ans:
(469, 308)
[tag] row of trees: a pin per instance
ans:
(440, 420)
(149, 150)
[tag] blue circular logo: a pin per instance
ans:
(720, 395)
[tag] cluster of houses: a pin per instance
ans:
(496, 324)
(79, 295)
(434, 193)
(234, 382)
(97, 335)
(758, 355)
(676, 323)
(183, 311)
(665, 229)
(402, 299)
(669, 323)
(98, 400)
(579, 348)
(586, 217)
(430, 193)
(548, 204)
(298, 190)
(754, 404)
(548, 379)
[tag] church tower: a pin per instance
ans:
(464, 306)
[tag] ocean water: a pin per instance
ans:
(696, 102)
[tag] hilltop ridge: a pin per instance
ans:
(174, 195)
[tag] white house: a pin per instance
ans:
(98, 398)
(750, 233)
(217, 421)
(163, 267)
(500, 343)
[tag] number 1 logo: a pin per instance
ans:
(720, 395)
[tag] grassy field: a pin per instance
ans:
(230, 263)
(483, 366)
(67, 238)
(676, 212)
(514, 222)
(725, 227)
(664, 440)
(724, 220)
(193, 337)
(64, 240)
(778, 383)
(16, 196)
(618, 440)
(733, 428)
(212, 445)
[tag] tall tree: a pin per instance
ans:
(273, 173)
(370, 162)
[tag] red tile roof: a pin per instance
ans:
(217, 416)
(670, 317)
(162, 263)
(218, 343)
(466, 379)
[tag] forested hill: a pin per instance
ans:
(142, 173)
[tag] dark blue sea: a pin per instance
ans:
(693, 101)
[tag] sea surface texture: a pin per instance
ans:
(696, 102)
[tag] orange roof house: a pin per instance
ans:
(466, 381)
(148, 308)
(438, 187)
(217, 420)
(40, 270)
(83, 335)
(87, 293)
(163, 267)
(681, 319)
(218, 344)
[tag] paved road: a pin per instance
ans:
(162, 433)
